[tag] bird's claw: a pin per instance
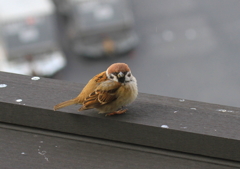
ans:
(116, 112)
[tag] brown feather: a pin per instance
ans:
(65, 104)
(91, 86)
(105, 93)
(100, 77)
(118, 67)
(87, 90)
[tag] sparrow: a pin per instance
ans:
(107, 92)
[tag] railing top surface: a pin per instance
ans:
(155, 121)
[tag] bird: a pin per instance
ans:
(107, 91)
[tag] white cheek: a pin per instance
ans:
(115, 79)
(132, 79)
(128, 78)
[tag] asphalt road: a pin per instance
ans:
(189, 49)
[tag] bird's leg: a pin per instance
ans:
(121, 111)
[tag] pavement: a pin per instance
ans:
(188, 49)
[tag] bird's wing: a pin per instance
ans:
(100, 77)
(104, 93)
(91, 86)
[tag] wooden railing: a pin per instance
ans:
(152, 121)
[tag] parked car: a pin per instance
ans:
(99, 27)
(28, 40)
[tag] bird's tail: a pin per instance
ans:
(65, 104)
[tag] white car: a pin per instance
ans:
(99, 27)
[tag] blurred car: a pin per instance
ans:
(28, 40)
(99, 27)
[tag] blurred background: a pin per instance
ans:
(189, 49)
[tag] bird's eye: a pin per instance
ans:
(129, 74)
(111, 77)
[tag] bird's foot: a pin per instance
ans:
(116, 112)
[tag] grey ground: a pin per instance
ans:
(189, 49)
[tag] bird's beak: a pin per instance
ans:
(120, 74)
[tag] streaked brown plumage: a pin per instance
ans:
(108, 91)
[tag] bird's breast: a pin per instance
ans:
(127, 93)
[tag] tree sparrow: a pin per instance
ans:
(108, 91)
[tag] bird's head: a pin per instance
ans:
(119, 72)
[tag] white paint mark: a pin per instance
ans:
(3, 85)
(46, 158)
(19, 100)
(193, 108)
(224, 110)
(42, 152)
(183, 127)
(191, 34)
(168, 35)
(175, 111)
(182, 100)
(165, 126)
(35, 78)
(23, 153)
